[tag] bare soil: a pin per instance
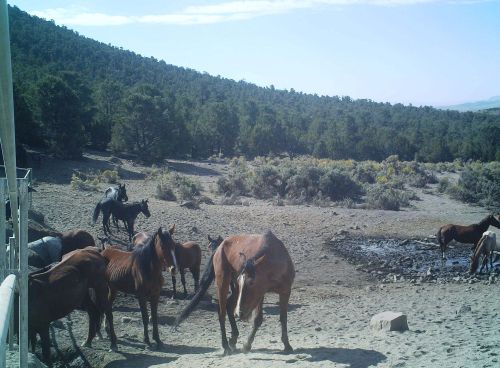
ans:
(452, 318)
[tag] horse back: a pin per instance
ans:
(120, 272)
(188, 255)
(271, 256)
(76, 239)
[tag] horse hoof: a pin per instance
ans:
(288, 350)
(87, 344)
(227, 352)
(113, 348)
(159, 345)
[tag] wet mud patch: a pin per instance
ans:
(414, 260)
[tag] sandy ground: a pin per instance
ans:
(451, 324)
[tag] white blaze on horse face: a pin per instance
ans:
(241, 283)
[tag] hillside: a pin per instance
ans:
(491, 103)
(72, 92)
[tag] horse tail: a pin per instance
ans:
(440, 240)
(474, 262)
(206, 280)
(97, 210)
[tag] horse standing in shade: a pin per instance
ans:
(57, 291)
(140, 273)
(251, 265)
(486, 246)
(464, 234)
(188, 256)
(127, 212)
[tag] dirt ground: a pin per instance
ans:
(452, 318)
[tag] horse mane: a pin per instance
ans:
(249, 264)
(143, 256)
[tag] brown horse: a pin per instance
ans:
(252, 265)
(48, 250)
(464, 234)
(55, 292)
(188, 256)
(139, 273)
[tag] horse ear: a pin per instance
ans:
(160, 230)
(172, 229)
(209, 238)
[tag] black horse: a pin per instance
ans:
(127, 212)
(118, 193)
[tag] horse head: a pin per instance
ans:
(250, 288)
(145, 208)
(166, 242)
(493, 221)
(122, 193)
(214, 243)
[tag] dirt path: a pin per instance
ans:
(332, 300)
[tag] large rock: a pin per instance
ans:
(389, 321)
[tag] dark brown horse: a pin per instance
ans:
(464, 234)
(251, 265)
(140, 273)
(48, 250)
(55, 292)
(188, 256)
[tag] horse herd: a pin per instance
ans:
(70, 273)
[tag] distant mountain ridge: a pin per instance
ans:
(493, 102)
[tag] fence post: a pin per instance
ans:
(3, 245)
(23, 275)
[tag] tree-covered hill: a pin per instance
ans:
(72, 92)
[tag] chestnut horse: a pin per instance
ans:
(140, 273)
(57, 291)
(464, 234)
(486, 246)
(188, 256)
(251, 265)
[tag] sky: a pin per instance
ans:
(420, 52)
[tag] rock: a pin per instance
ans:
(389, 321)
(195, 230)
(126, 319)
(192, 205)
(206, 200)
(464, 309)
(323, 256)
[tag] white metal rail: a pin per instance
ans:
(15, 268)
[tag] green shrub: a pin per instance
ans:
(380, 197)
(88, 184)
(108, 176)
(173, 186)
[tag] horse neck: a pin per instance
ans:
(484, 224)
(135, 208)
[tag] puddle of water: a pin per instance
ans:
(409, 258)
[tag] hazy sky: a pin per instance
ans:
(424, 52)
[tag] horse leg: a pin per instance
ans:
(104, 300)
(94, 317)
(154, 319)
(222, 281)
(183, 280)
(107, 326)
(130, 229)
(174, 282)
(284, 298)
(196, 276)
(144, 312)
(44, 336)
(231, 304)
(257, 322)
